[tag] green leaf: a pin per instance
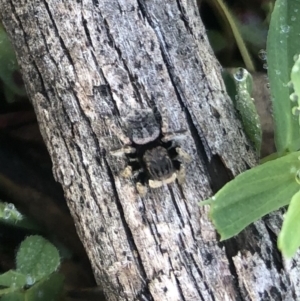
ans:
(13, 279)
(245, 106)
(254, 194)
(15, 296)
(47, 290)
(289, 237)
(282, 45)
(295, 81)
(10, 215)
(37, 258)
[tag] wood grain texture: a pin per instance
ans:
(88, 63)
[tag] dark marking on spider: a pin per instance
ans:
(154, 156)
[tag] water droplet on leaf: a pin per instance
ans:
(296, 111)
(262, 54)
(284, 28)
(294, 97)
(297, 176)
(240, 74)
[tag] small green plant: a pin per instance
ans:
(275, 183)
(35, 276)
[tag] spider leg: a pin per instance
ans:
(142, 190)
(181, 174)
(123, 150)
(127, 172)
(155, 183)
(137, 172)
(182, 155)
(177, 136)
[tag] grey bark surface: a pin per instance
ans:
(88, 63)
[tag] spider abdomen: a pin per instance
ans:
(158, 163)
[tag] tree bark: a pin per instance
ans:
(86, 64)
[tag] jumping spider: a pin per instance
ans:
(154, 158)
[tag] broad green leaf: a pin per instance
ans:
(37, 258)
(253, 194)
(47, 290)
(15, 296)
(282, 45)
(289, 237)
(13, 279)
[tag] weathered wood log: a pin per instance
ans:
(86, 65)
